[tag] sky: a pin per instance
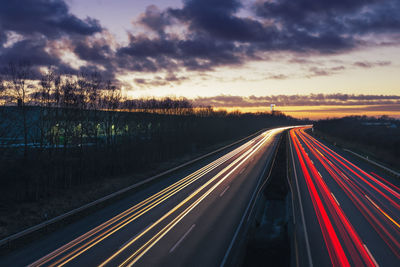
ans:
(226, 53)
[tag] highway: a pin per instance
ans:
(188, 220)
(345, 214)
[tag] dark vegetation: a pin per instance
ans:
(63, 134)
(377, 138)
(269, 242)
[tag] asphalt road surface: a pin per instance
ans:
(348, 214)
(188, 219)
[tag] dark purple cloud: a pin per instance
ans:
(297, 100)
(160, 81)
(37, 23)
(219, 36)
(337, 17)
(367, 64)
(49, 18)
(155, 19)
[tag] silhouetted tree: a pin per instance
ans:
(16, 84)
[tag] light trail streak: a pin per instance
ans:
(335, 249)
(132, 213)
(342, 165)
(346, 229)
(155, 238)
(348, 166)
(351, 193)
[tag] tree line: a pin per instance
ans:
(57, 132)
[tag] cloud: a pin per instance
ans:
(277, 77)
(297, 100)
(168, 79)
(170, 53)
(218, 19)
(155, 19)
(343, 109)
(324, 71)
(38, 25)
(367, 64)
(337, 17)
(48, 18)
(216, 35)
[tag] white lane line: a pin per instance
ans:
(292, 198)
(337, 202)
(242, 170)
(319, 174)
(144, 229)
(370, 200)
(370, 254)
(182, 238)
(312, 162)
(344, 175)
(301, 208)
(223, 192)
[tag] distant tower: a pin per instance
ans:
(272, 108)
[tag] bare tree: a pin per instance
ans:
(45, 102)
(17, 77)
(111, 101)
(93, 92)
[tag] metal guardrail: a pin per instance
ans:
(374, 163)
(44, 224)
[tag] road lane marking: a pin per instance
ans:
(223, 192)
(144, 229)
(370, 254)
(319, 174)
(181, 239)
(292, 197)
(242, 170)
(337, 202)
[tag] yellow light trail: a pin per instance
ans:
(172, 211)
(162, 195)
(142, 250)
(383, 212)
